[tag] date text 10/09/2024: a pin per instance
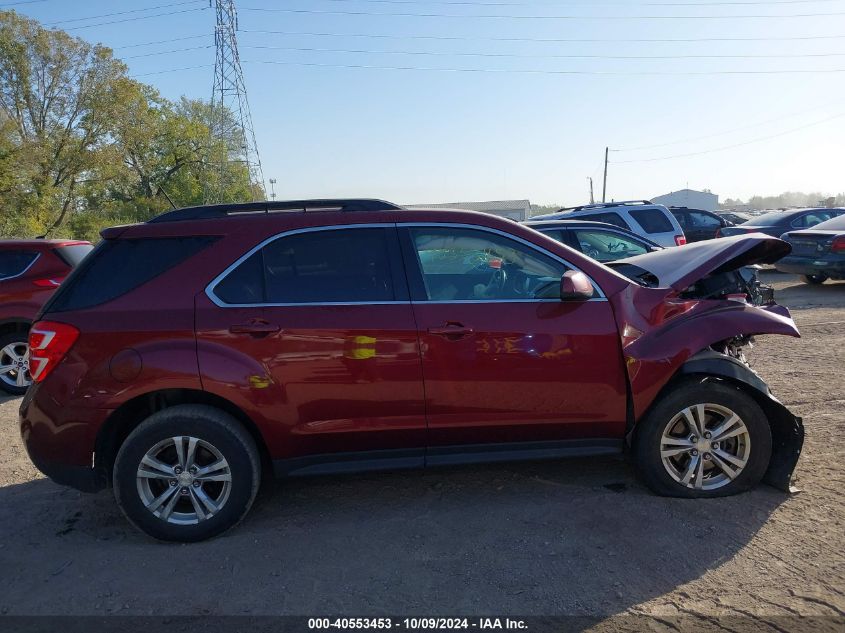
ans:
(416, 624)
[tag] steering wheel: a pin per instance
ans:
(497, 283)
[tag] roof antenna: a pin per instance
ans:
(161, 190)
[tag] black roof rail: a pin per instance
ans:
(605, 205)
(208, 212)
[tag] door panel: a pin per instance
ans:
(326, 374)
(508, 362)
(526, 372)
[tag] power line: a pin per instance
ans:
(729, 131)
(459, 38)
(542, 17)
(110, 15)
(535, 56)
(175, 39)
(732, 146)
(553, 72)
(140, 17)
(646, 4)
(177, 50)
(172, 70)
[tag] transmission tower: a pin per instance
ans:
(231, 119)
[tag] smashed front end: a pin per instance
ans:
(694, 310)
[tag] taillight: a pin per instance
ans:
(53, 282)
(838, 244)
(49, 343)
(680, 240)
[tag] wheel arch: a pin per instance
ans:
(14, 325)
(787, 428)
(130, 414)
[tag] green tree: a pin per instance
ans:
(83, 146)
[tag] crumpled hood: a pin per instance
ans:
(680, 267)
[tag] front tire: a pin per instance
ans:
(814, 280)
(187, 473)
(704, 438)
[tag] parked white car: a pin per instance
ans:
(652, 221)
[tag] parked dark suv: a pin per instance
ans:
(189, 354)
(30, 271)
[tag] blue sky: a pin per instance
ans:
(416, 136)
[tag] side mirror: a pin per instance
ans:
(575, 286)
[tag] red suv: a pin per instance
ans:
(30, 271)
(189, 354)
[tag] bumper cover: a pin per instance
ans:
(812, 266)
(79, 477)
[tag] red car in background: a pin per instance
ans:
(190, 354)
(30, 271)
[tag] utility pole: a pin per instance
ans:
(592, 200)
(604, 184)
(272, 182)
(231, 120)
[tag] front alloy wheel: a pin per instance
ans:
(705, 437)
(705, 446)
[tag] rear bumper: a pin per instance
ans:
(60, 440)
(812, 266)
(79, 477)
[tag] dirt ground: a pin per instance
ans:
(578, 537)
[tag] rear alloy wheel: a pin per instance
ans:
(706, 438)
(187, 473)
(14, 363)
(814, 279)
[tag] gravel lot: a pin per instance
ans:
(578, 537)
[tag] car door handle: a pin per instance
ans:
(256, 328)
(451, 331)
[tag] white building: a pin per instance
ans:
(514, 209)
(689, 198)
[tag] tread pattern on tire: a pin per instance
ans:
(209, 415)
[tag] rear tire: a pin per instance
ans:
(814, 280)
(187, 473)
(14, 349)
(677, 456)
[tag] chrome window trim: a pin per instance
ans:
(209, 289)
(24, 271)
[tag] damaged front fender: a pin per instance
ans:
(666, 337)
(787, 428)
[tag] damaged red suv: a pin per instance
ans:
(188, 355)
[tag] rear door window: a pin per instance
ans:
(652, 220)
(14, 263)
(332, 266)
(610, 217)
(704, 221)
(116, 267)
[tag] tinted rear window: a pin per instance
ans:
(652, 220)
(334, 266)
(118, 266)
(74, 253)
(610, 218)
(13, 263)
